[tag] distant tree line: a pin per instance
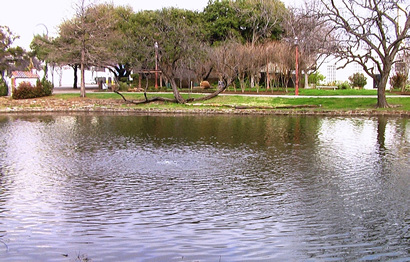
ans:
(234, 40)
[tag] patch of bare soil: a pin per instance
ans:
(54, 104)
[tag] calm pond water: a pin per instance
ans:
(204, 188)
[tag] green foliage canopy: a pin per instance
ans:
(11, 58)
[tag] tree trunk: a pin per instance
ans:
(381, 91)
(210, 96)
(381, 131)
(242, 82)
(306, 80)
(82, 93)
(178, 97)
(175, 90)
(75, 67)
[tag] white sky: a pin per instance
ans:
(29, 17)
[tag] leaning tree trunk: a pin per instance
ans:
(210, 96)
(175, 90)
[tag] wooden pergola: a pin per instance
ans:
(156, 72)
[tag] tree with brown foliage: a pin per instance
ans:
(312, 36)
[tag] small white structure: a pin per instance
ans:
(18, 77)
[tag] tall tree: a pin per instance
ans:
(221, 21)
(176, 33)
(251, 21)
(260, 20)
(172, 38)
(138, 30)
(82, 40)
(371, 34)
(121, 46)
(227, 61)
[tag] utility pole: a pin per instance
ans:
(297, 69)
(156, 65)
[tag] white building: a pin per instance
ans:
(64, 76)
(330, 68)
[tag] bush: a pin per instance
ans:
(123, 86)
(26, 90)
(125, 80)
(399, 81)
(358, 80)
(48, 87)
(343, 85)
(3, 88)
(316, 78)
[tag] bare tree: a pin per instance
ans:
(272, 56)
(286, 63)
(256, 61)
(243, 66)
(280, 62)
(204, 65)
(371, 34)
(226, 61)
(312, 35)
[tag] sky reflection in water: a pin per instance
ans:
(190, 188)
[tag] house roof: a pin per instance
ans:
(24, 74)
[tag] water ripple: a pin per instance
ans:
(234, 189)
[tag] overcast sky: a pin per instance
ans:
(29, 17)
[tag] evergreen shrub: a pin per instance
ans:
(343, 85)
(358, 80)
(25, 90)
(3, 88)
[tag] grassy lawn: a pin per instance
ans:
(337, 92)
(316, 92)
(342, 103)
(322, 103)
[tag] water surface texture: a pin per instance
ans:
(210, 188)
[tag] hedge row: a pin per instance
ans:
(26, 90)
(3, 88)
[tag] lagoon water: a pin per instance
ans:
(204, 188)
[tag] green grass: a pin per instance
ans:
(337, 92)
(342, 103)
(323, 103)
(313, 92)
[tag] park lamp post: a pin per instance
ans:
(296, 67)
(156, 65)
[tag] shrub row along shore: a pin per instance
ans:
(58, 105)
